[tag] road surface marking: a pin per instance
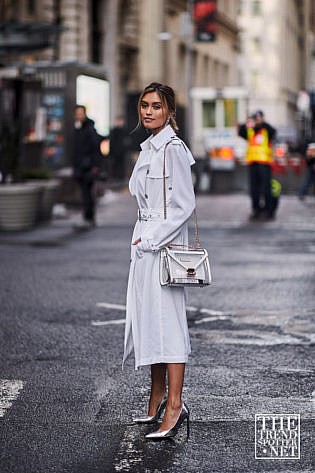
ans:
(211, 319)
(107, 305)
(98, 323)
(9, 391)
(214, 314)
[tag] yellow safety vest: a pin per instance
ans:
(259, 148)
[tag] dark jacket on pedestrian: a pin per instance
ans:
(119, 142)
(310, 161)
(86, 151)
(242, 131)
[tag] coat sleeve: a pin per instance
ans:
(94, 145)
(181, 203)
(242, 131)
(271, 132)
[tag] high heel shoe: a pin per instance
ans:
(155, 418)
(165, 434)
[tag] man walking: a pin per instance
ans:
(85, 161)
(259, 136)
(310, 171)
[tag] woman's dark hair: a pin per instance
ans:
(167, 96)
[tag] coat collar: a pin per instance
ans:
(157, 141)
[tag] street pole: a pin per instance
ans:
(189, 70)
(57, 23)
(111, 58)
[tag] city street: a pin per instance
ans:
(66, 406)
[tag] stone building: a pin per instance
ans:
(274, 62)
(137, 41)
(154, 43)
(311, 69)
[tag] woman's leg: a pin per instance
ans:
(158, 386)
(175, 373)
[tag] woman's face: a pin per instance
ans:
(153, 115)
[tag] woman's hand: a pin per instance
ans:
(139, 251)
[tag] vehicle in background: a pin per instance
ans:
(214, 140)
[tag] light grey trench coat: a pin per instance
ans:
(156, 324)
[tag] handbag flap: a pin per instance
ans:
(184, 268)
(189, 259)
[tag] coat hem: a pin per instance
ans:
(162, 359)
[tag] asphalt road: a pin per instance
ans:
(65, 403)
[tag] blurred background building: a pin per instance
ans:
(244, 55)
(137, 41)
(276, 53)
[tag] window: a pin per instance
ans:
(241, 77)
(240, 10)
(208, 114)
(256, 8)
(230, 112)
(226, 73)
(257, 45)
(205, 71)
(254, 80)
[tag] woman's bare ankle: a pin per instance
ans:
(155, 400)
(174, 404)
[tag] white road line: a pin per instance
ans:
(98, 323)
(211, 319)
(107, 305)
(214, 314)
(9, 391)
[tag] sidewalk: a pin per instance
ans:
(61, 228)
(119, 208)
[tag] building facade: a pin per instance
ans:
(274, 62)
(311, 69)
(145, 41)
(138, 41)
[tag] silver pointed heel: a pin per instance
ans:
(166, 434)
(155, 418)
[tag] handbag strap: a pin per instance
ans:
(196, 238)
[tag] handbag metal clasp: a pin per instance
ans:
(191, 272)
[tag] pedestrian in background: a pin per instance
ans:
(310, 171)
(156, 324)
(86, 155)
(119, 143)
(259, 158)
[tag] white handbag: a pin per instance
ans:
(180, 267)
(183, 265)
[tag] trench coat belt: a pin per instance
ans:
(145, 215)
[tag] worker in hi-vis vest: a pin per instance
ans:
(259, 136)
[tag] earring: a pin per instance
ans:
(167, 122)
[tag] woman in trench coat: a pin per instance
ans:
(156, 324)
